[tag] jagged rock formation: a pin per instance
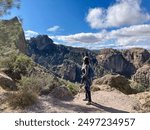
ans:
(64, 61)
(114, 61)
(11, 36)
(137, 56)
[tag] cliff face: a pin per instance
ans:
(11, 36)
(114, 61)
(124, 62)
(137, 56)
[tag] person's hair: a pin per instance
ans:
(86, 61)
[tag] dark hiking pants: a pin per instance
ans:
(88, 91)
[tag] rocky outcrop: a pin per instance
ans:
(12, 36)
(6, 82)
(114, 61)
(112, 82)
(42, 44)
(142, 75)
(137, 56)
(61, 93)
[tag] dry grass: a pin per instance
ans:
(22, 99)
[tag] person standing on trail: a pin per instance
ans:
(87, 79)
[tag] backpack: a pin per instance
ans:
(91, 72)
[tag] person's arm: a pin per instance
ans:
(86, 72)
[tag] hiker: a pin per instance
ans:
(87, 79)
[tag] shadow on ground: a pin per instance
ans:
(108, 109)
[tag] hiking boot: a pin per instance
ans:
(85, 99)
(89, 103)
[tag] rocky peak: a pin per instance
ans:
(41, 42)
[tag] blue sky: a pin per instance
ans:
(88, 23)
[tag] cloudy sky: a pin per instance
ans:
(92, 24)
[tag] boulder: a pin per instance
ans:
(103, 87)
(142, 75)
(61, 93)
(6, 82)
(115, 81)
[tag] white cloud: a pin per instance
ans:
(81, 38)
(136, 34)
(133, 36)
(53, 29)
(30, 33)
(96, 17)
(122, 13)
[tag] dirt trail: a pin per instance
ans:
(103, 102)
(111, 102)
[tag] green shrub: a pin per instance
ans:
(38, 83)
(31, 84)
(73, 87)
(53, 83)
(22, 64)
(22, 99)
(8, 61)
(17, 63)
